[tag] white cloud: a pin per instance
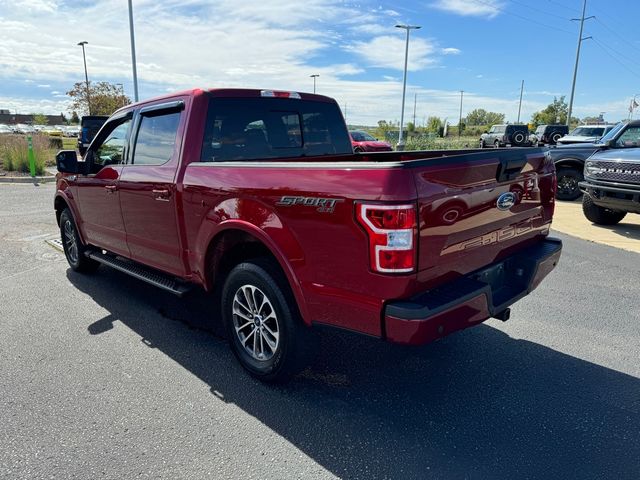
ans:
(480, 8)
(44, 86)
(387, 51)
(451, 51)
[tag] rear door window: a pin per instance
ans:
(240, 129)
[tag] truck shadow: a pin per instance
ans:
(478, 404)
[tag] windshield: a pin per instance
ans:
(588, 132)
(612, 133)
(360, 136)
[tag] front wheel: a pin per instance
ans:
(600, 215)
(263, 325)
(72, 245)
(568, 180)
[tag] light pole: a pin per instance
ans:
(314, 76)
(575, 68)
(86, 75)
(400, 144)
(520, 104)
(133, 53)
(632, 106)
(460, 121)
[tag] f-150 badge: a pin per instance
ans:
(323, 205)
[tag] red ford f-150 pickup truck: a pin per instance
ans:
(257, 194)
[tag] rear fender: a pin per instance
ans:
(261, 222)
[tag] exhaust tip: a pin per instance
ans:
(504, 315)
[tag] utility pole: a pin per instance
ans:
(575, 69)
(520, 104)
(133, 53)
(415, 98)
(460, 121)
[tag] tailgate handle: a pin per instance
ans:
(510, 168)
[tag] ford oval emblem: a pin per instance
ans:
(506, 201)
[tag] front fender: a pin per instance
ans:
(65, 194)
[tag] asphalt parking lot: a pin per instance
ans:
(104, 376)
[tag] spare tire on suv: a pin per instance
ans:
(517, 135)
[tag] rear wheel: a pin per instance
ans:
(72, 245)
(496, 144)
(358, 150)
(568, 179)
(600, 215)
(555, 137)
(482, 144)
(263, 325)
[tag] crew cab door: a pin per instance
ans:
(98, 196)
(148, 189)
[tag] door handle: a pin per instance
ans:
(111, 188)
(161, 194)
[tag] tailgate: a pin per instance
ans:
(477, 208)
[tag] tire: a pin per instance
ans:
(518, 138)
(72, 245)
(285, 344)
(600, 215)
(496, 144)
(482, 144)
(555, 137)
(568, 178)
(358, 150)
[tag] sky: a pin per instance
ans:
(483, 47)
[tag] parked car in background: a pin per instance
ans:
(586, 134)
(611, 185)
(72, 131)
(5, 129)
(89, 126)
(502, 135)
(24, 129)
(569, 159)
(38, 128)
(51, 131)
(548, 134)
(361, 141)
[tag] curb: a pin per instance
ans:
(45, 179)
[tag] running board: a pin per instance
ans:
(141, 272)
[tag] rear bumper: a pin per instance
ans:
(471, 299)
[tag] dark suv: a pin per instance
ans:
(501, 135)
(549, 134)
(89, 126)
(611, 185)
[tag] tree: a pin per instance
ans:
(105, 98)
(480, 116)
(555, 113)
(434, 124)
(411, 128)
(74, 117)
(39, 119)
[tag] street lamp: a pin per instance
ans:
(314, 76)
(400, 144)
(86, 76)
(133, 53)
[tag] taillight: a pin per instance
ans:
(391, 230)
